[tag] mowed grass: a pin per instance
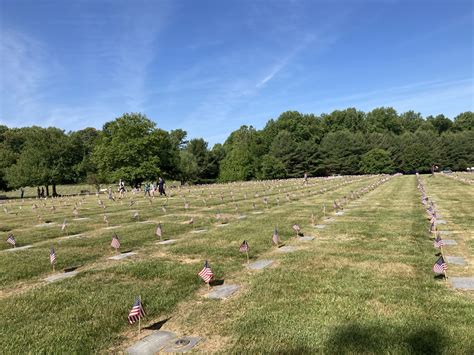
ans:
(364, 286)
(88, 313)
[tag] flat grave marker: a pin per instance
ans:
(287, 249)
(181, 345)
(20, 248)
(197, 231)
(61, 276)
(169, 241)
(223, 292)
(456, 260)
(449, 242)
(441, 221)
(260, 264)
(341, 213)
(151, 344)
(320, 226)
(306, 238)
(122, 256)
(463, 283)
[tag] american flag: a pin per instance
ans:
(115, 242)
(275, 238)
(244, 247)
(440, 266)
(11, 239)
(52, 256)
(191, 221)
(206, 273)
(159, 231)
(137, 312)
(438, 242)
(296, 228)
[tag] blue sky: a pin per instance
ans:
(209, 67)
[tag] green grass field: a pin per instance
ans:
(363, 285)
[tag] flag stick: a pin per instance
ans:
(208, 286)
(248, 260)
(53, 268)
(442, 254)
(139, 315)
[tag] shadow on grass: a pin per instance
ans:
(216, 282)
(157, 325)
(362, 338)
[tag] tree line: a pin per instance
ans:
(134, 149)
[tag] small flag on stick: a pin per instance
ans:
(115, 242)
(11, 240)
(136, 313)
(159, 231)
(438, 242)
(52, 257)
(440, 266)
(275, 237)
(244, 248)
(206, 273)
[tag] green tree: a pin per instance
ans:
(376, 161)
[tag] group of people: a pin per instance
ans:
(149, 188)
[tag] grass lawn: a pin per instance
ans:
(363, 285)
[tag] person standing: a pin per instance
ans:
(161, 186)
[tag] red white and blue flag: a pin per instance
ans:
(440, 266)
(115, 242)
(137, 312)
(206, 273)
(11, 240)
(52, 256)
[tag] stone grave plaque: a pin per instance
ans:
(242, 217)
(74, 236)
(62, 276)
(151, 344)
(122, 256)
(306, 238)
(446, 232)
(440, 221)
(340, 213)
(257, 212)
(320, 226)
(330, 219)
(463, 283)
(19, 248)
(181, 345)
(223, 292)
(456, 260)
(112, 227)
(448, 242)
(81, 219)
(197, 231)
(46, 224)
(260, 264)
(287, 249)
(169, 241)
(223, 225)
(147, 222)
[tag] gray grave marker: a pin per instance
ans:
(260, 264)
(320, 226)
(223, 292)
(223, 225)
(287, 249)
(59, 277)
(199, 231)
(464, 283)
(112, 227)
(456, 260)
(306, 238)
(440, 221)
(164, 242)
(151, 344)
(181, 345)
(446, 232)
(449, 242)
(341, 213)
(19, 248)
(122, 256)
